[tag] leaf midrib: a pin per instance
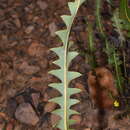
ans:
(66, 68)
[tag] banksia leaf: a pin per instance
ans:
(73, 90)
(58, 73)
(72, 102)
(59, 51)
(71, 56)
(65, 57)
(58, 86)
(67, 19)
(73, 75)
(62, 34)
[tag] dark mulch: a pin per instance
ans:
(26, 34)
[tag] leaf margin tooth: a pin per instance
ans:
(57, 86)
(72, 91)
(62, 34)
(67, 19)
(57, 100)
(58, 51)
(72, 102)
(71, 56)
(57, 73)
(73, 75)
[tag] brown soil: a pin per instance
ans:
(26, 34)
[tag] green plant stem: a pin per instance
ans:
(90, 37)
(66, 70)
(98, 16)
(124, 63)
(124, 59)
(124, 10)
(99, 24)
(91, 48)
(117, 73)
(118, 25)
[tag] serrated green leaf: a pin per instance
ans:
(59, 51)
(72, 112)
(57, 86)
(58, 100)
(71, 122)
(73, 75)
(61, 124)
(65, 57)
(67, 19)
(58, 73)
(72, 91)
(59, 112)
(72, 102)
(71, 56)
(72, 7)
(59, 62)
(82, 1)
(63, 35)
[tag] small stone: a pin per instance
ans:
(52, 29)
(35, 79)
(29, 29)
(9, 126)
(37, 49)
(20, 99)
(18, 127)
(11, 106)
(25, 114)
(80, 86)
(55, 119)
(43, 5)
(28, 69)
(44, 63)
(35, 98)
(11, 92)
(4, 37)
(2, 126)
(17, 22)
(13, 43)
(46, 97)
(49, 107)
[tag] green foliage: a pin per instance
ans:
(65, 57)
(113, 56)
(91, 59)
(98, 16)
(124, 13)
(118, 24)
(91, 49)
(124, 10)
(109, 1)
(115, 62)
